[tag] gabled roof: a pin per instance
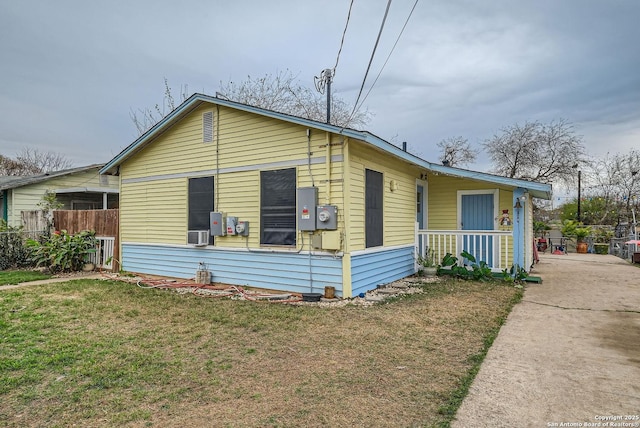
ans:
(538, 190)
(14, 182)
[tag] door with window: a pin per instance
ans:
(477, 213)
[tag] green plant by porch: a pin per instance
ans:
(63, 252)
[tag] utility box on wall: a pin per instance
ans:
(327, 240)
(331, 240)
(307, 198)
(218, 224)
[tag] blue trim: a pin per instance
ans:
(274, 271)
(368, 270)
(5, 205)
(538, 190)
(518, 229)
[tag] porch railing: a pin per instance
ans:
(103, 257)
(495, 247)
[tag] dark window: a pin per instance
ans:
(278, 207)
(200, 202)
(373, 208)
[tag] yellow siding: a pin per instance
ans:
(28, 197)
(244, 139)
(399, 209)
(155, 209)
(443, 199)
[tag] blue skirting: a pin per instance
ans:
(370, 269)
(282, 271)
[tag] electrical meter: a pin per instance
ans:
(327, 217)
(232, 222)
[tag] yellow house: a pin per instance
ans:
(268, 200)
(81, 188)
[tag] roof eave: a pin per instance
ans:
(538, 190)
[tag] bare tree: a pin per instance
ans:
(43, 161)
(32, 161)
(617, 181)
(283, 93)
(144, 119)
(456, 151)
(540, 152)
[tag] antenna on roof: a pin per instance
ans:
(325, 81)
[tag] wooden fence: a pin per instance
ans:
(104, 222)
(34, 221)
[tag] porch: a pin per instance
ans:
(495, 247)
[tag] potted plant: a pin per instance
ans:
(428, 262)
(574, 229)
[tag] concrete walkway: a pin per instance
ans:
(91, 275)
(569, 353)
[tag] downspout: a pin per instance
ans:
(216, 186)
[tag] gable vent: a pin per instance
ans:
(207, 127)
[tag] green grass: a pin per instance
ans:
(105, 353)
(17, 276)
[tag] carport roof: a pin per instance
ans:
(19, 181)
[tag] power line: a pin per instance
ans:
(392, 49)
(343, 34)
(373, 53)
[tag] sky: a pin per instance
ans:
(72, 71)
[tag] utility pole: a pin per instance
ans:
(579, 178)
(324, 83)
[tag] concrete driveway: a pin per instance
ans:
(568, 355)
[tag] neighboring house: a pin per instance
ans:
(316, 205)
(80, 188)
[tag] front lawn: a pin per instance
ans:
(107, 353)
(8, 277)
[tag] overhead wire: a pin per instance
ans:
(373, 53)
(346, 25)
(389, 56)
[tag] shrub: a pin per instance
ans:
(13, 251)
(64, 252)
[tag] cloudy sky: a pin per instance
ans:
(71, 71)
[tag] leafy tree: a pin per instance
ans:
(536, 151)
(456, 151)
(31, 161)
(593, 210)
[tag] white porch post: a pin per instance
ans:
(104, 201)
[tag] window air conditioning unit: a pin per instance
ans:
(199, 238)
